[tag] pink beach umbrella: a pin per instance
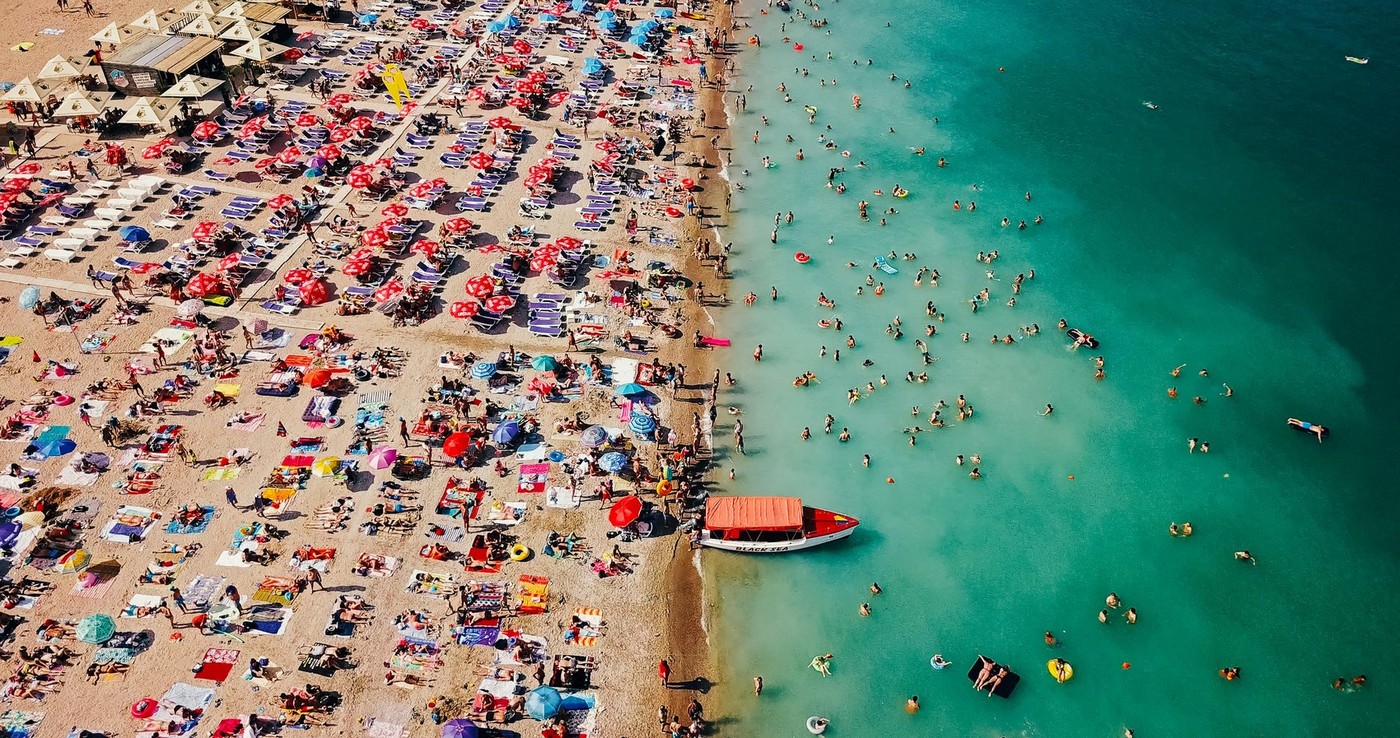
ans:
(383, 457)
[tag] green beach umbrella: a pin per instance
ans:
(96, 629)
(544, 363)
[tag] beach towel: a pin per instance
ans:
(432, 585)
(272, 338)
(177, 528)
(562, 497)
(219, 474)
(380, 728)
(484, 633)
(532, 597)
(96, 342)
(267, 620)
(534, 478)
(171, 339)
(216, 665)
(141, 606)
(71, 477)
(202, 591)
(507, 513)
(129, 524)
(386, 565)
(589, 633)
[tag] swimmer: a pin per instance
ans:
(1228, 392)
(1050, 639)
(975, 473)
(865, 460)
(1131, 616)
(1103, 617)
(958, 460)
(1112, 600)
(865, 609)
(1186, 529)
(1173, 531)
(875, 588)
(1048, 410)
(938, 662)
(845, 435)
(912, 704)
(1191, 445)
(1246, 556)
(1177, 371)
(806, 433)
(976, 459)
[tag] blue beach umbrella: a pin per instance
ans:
(642, 424)
(58, 447)
(608, 14)
(631, 389)
(607, 24)
(579, 5)
(612, 462)
(312, 173)
(594, 436)
(543, 703)
(512, 22)
(484, 370)
(134, 233)
(368, 18)
(592, 65)
(548, 17)
(29, 297)
(505, 432)
(665, 13)
(496, 27)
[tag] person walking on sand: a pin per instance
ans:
(663, 670)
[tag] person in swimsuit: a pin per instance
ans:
(984, 675)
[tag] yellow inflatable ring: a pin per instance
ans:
(519, 552)
(664, 487)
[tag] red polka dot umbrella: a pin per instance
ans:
(306, 120)
(279, 202)
(479, 286)
(289, 155)
(535, 180)
(341, 135)
(207, 129)
(397, 209)
(457, 225)
(568, 242)
(391, 289)
(558, 98)
(154, 152)
(204, 230)
(499, 303)
(16, 185)
(420, 24)
(374, 237)
(422, 189)
(315, 292)
(500, 121)
(539, 263)
(480, 160)
(338, 99)
(28, 168)
(526, 86)
(519, 103)
(425, 247)
(202, 285)
(356, 268)
(249, 128)
(229, 262)
(501, 59)
(359, 181)
(330, 152)
(537, 77)
(264, 163)
(464, 309)
(297, 276)
(476, 94)
(360, 123)
(522, 46)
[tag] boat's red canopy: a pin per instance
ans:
(753, 513)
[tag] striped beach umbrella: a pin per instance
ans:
(484, 370)
(642, 424)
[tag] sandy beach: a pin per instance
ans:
(132, 523)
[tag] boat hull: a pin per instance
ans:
(797, 544)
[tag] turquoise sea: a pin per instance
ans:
(1246, 226)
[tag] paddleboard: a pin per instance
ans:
(1061, 678)
(884, 266)
(712, 341)
(1359, 59)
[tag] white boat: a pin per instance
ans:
(769, 525)
(1359, 59)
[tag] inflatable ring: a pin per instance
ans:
(519, 552)
(673, 211)
(823, 323)
(801, 257)
(334, 421)
(816, 725)
(63, 400)
(664, 488)
(753, 40)
(1061, 678)
(144, 708)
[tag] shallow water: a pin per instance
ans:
(1241, 227)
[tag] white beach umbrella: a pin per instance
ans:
(57, 68)
(83, 103)
(110, 35)
(149, 111)
(149, 21)
(27, 91)
(234, 10)
(259, 50)
(245, 30)
(201, 25)
(199, 7)
(192, 85)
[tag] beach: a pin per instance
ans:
(246, 526)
